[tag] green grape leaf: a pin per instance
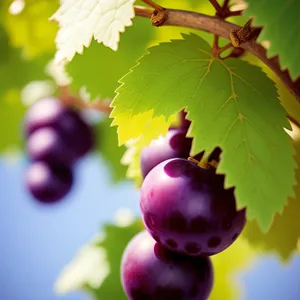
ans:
(107, 146)
(283, 236)
(102, 21)
(31, 30)
(287, 99)
(99, 68)
(11, 114)
(15, 71)
(232, 105)
(279, 20)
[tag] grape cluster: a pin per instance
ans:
(189, 216)
(57, 137)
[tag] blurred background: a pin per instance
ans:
(39, 241)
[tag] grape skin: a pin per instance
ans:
(151, 272)
(187, 209)
(46, 144)
(45, 112)
(48, 183)
(174, 144)
(49, 112)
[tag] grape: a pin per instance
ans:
(77, 133)
(45, 112)
(46, 144)
(187, 209)
(174, 144)
(49, 112)
(48, 183)
(151, 272)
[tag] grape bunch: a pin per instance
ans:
(188, 215)
(57, 137)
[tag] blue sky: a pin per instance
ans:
(38, 241)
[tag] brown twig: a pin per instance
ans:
(143, 11)
(224, 11)
(236, 13)
(101, 105)
(216, 5)
(244, 35)
(158, 16)
(154, 5)
(216, 50)
(225, 3)
(215, 25)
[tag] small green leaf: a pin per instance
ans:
(232, 105)
(280, 21)
(100, 68)
(107, 146)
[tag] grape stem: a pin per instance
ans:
(154, 5)
(220, 27)
(204, 163)
(217, 51)
(101, 105)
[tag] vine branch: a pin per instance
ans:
(217, 26)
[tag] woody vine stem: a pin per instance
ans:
(220, 28)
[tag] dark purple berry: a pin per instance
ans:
(48, 183)
(188, 205)
(151, 272)
(49, 112)
(46, 144)
(45, 112)
(174, 144)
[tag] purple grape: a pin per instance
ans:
(174, 144)
(46, 144)
(187, 209)
(77, 133)
(48, 183)
(151, 272)
(45, 112)
(49, 112)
